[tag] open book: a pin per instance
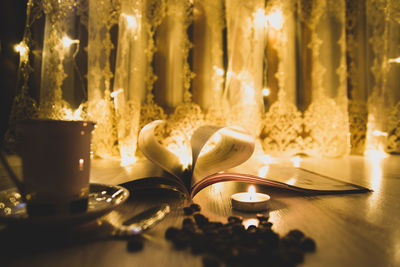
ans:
(216, 151)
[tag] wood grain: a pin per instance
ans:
(349, 230)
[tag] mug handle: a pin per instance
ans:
(12, 174)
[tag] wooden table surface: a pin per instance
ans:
(349, 230)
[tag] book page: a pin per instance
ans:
(226, 147)
(281, 176)
(156, 152)
(230, 146)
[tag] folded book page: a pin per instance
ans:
(226, 147)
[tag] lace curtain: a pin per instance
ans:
(315, 77)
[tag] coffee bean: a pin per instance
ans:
(135, 244)
(171, 233)
(195, 207)
(200, 219)
(308, 244)
(295, 255)
(187, 221)
(296, 234)
(235, 219)
(265, 224)
(187, 210)
(261, 217)
(231, 244)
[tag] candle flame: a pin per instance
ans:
(252, 192)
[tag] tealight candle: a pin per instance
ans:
(250, 201)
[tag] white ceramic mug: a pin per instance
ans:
(56, 165)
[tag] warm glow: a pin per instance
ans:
(114, 96)
(266, 92)
(375, 154)
(81, 161)
(394, 60)
(116, 92)
(266, 159)
(296, 161)
(379, 133)
(127, 160)
(275, 19)
(219, 71)
(23, 50)
(237, 135)
(248, 90)
(133, 23)
(259, 18)
(249, 222)
(291, 181)
(211, 143)
(67, 42)
(252, 192)
(183, 153)
(74, 115)
(263, 171)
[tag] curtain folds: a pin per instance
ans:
(314, 77)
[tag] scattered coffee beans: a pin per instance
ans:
(135, 243)
(231, 244)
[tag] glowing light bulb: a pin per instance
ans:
(23, 50)
(394, 60)
(266, 92)
(219, 71)
(275, 19)
(67, 42)
(116, 92)
(132, 22)
(379, 133)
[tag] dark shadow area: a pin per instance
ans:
(12, 21)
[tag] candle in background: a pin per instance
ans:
(250, 201)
